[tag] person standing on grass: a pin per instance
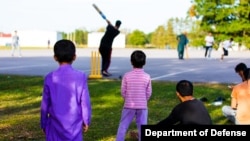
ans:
(190, 111)
(105, 47)
(182, 44)
(136, 91)
(15, 45)
(239, 112)
(65, 106)
(209, 42)
(225, 46)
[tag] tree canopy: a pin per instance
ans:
(225, 18)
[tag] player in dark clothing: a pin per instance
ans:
(190, 110)
(105, 48)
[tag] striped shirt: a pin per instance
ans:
(136, 89)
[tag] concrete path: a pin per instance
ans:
(161, 64)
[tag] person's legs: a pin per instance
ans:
(229, 113)
(224, 52)
(13, 50)
(126, 118)
(180, 52)
(141, 119)
(19, 50)
(209, 51)
(109, 53)
(103, 58)
(206, 49)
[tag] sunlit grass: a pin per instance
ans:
(20, 98)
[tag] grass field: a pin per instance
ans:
(20, 98)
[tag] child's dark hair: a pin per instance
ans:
(64, 50)
(240, 67)
(247, 73)
(185, 88)
(138, 59)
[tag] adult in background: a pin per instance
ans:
(190, 111)
(225, 46)
(49, 43)
(239, 112)
(182, 43)
(15, 44)
(209, 41)
(105, 47)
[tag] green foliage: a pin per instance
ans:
(159, 37)
(229, 17)
(20, 98)
(170, 35)
(137, 38)
(81, 37)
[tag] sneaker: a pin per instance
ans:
(104, 73)
(109, 73)
(134, 135)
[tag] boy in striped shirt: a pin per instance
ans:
(136, 90)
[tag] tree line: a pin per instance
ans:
(224, 18)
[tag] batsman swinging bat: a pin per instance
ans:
(99, 11)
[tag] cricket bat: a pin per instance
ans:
(99, 11)
(186, 50)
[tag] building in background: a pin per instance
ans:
(32, 38)
(44, 39)
(5, 39)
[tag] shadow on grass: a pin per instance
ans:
(20, 98)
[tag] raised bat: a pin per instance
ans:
(99, 11)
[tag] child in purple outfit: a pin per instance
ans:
(136, 90)
(65, 106)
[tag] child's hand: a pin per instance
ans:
(85, 128)
(230, 86)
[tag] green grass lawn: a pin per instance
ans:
(20, 98)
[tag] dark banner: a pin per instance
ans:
(161, 133)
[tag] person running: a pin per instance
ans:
(105, 47)
(226, 45)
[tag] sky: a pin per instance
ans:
(68, 15)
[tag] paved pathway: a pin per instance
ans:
(161, 64)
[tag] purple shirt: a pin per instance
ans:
(136, 89)
(65, 105)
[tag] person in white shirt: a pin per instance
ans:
(209, 42)
(226, 44)
(15, 44)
